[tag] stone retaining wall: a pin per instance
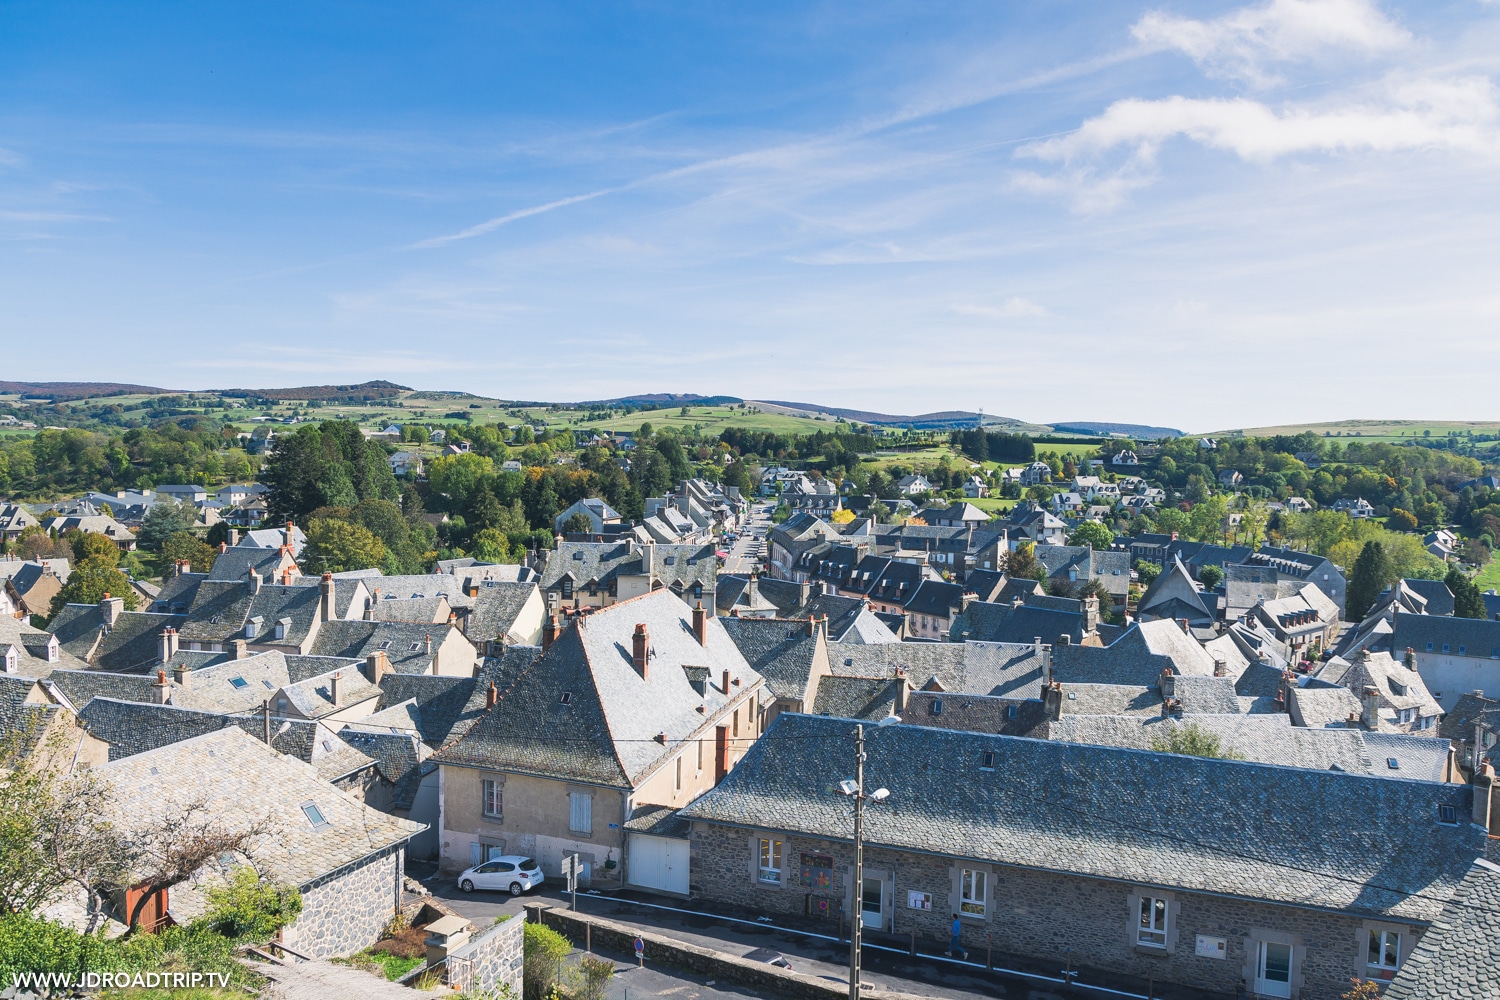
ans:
(618, 937)
(491, 961)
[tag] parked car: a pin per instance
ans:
(511, 873)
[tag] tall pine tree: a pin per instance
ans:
(1467, 601)
(1372, 574)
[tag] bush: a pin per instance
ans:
(597, 973)
(252, 908)
(544, 951)
(29, 943)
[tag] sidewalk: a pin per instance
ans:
(884, 967)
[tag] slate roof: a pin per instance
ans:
(1111, 699)
(440, 701)
(870, 698)
(132, 727)
(398, 757)
(985, 584)
(842, 613)
(986, 622)
(1319, 839)
(1270, 739)
(1316, 705)
(1137, 657)
(177, 593)
(1018, 588)
(658, 821)
(133, 642)
(777, 596)
(413, 609)
(606, 731)
(1003, 670)
(24, 710)
(357, 639)
(936, 598)
(235, 562)
(680, 565)
(781, 651)
(1435, 592)
(493, 613)
(1479, 637)
(1459, 956)
(241, 783)
(31, 648)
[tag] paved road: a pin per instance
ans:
(925, 975)
(750, 551)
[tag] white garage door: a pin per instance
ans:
(659, 863)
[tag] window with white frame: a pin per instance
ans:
(1151, 930)
(972, 886)
(494, 798)
(770, 860)
(580, 812)
(1384, 954)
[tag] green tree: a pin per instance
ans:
(1092, 533)
(185, 545)
(91, 545)
(251, 908)
(1210, 576)
(337, 546)
(1170, 519)
(1372, 574)
(1022, 563)
(1193, 740)
(89, 582)
(578, 523)
(1147, 571)
(1467, 601)
(166, 518)
(492, 546)
(1401, 520)
(542, 951)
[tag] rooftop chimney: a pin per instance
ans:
(239, 648)
(700, 624)
(429, 643)
(1411, 655)
(110, 608)
(550, 631)
(726, 680)
(286, 577)
(1370, 705)
(223, 547)
(492, 696)
(180, 675)
(812, 626)
(1221, 669)
(164, 645)
(161, 691)
(336, 689)
(325, 599)
(252, 580)
(286, 534)
(377, 665)
(640, 649)
(1052, 699)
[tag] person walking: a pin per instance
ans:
(953, 945)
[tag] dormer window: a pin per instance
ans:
(52, 651)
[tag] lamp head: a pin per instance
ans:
(848, 787)
(880, 795)
(890, 720)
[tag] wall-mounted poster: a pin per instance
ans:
(918, 900)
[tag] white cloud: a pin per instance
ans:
(1014, 307)
(1241, 44)
(1455, 114)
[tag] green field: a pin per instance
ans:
(1489, 577)
(1393, 431)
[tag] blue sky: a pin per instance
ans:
(1205, 215)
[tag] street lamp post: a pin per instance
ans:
(855, 789)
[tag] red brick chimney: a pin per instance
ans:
(492, 696)
(726, 680)
(700, 624)
(640, 649)
(551, 631)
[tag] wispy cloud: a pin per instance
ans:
(490, 225)
(1246, 43)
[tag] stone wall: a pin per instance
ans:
(348, 909)
(1031, 917)
(491, 961)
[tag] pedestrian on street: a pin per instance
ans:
(953, 945)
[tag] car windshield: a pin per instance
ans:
(527, 865)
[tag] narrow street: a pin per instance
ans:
(749, 551)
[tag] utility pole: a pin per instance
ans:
(266, 711)
(857, 917)
(855, 789)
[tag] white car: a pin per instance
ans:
(511, 873)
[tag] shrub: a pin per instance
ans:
(544, 950)
(252, 908)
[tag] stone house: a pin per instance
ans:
(599, 574)
(1455, 656)
(1140, 863)
(94, 524)
(640, 706)
(347, 858)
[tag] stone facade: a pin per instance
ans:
(491, 961)
(348, 909)
(1035, 915)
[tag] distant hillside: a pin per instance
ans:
(379, 389)
(61, 392)
(1106, 429)
(664, 399)
(941, 420)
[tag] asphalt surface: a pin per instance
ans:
(924, 974)
(750, 551)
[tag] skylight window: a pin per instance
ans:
(987, 760)
(269, 685)
(1447, 814)
(327, 747)
(314, 816)
(238, 682)
(414, 647)
(567, 697)
(386, 644)
(1393, 763)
